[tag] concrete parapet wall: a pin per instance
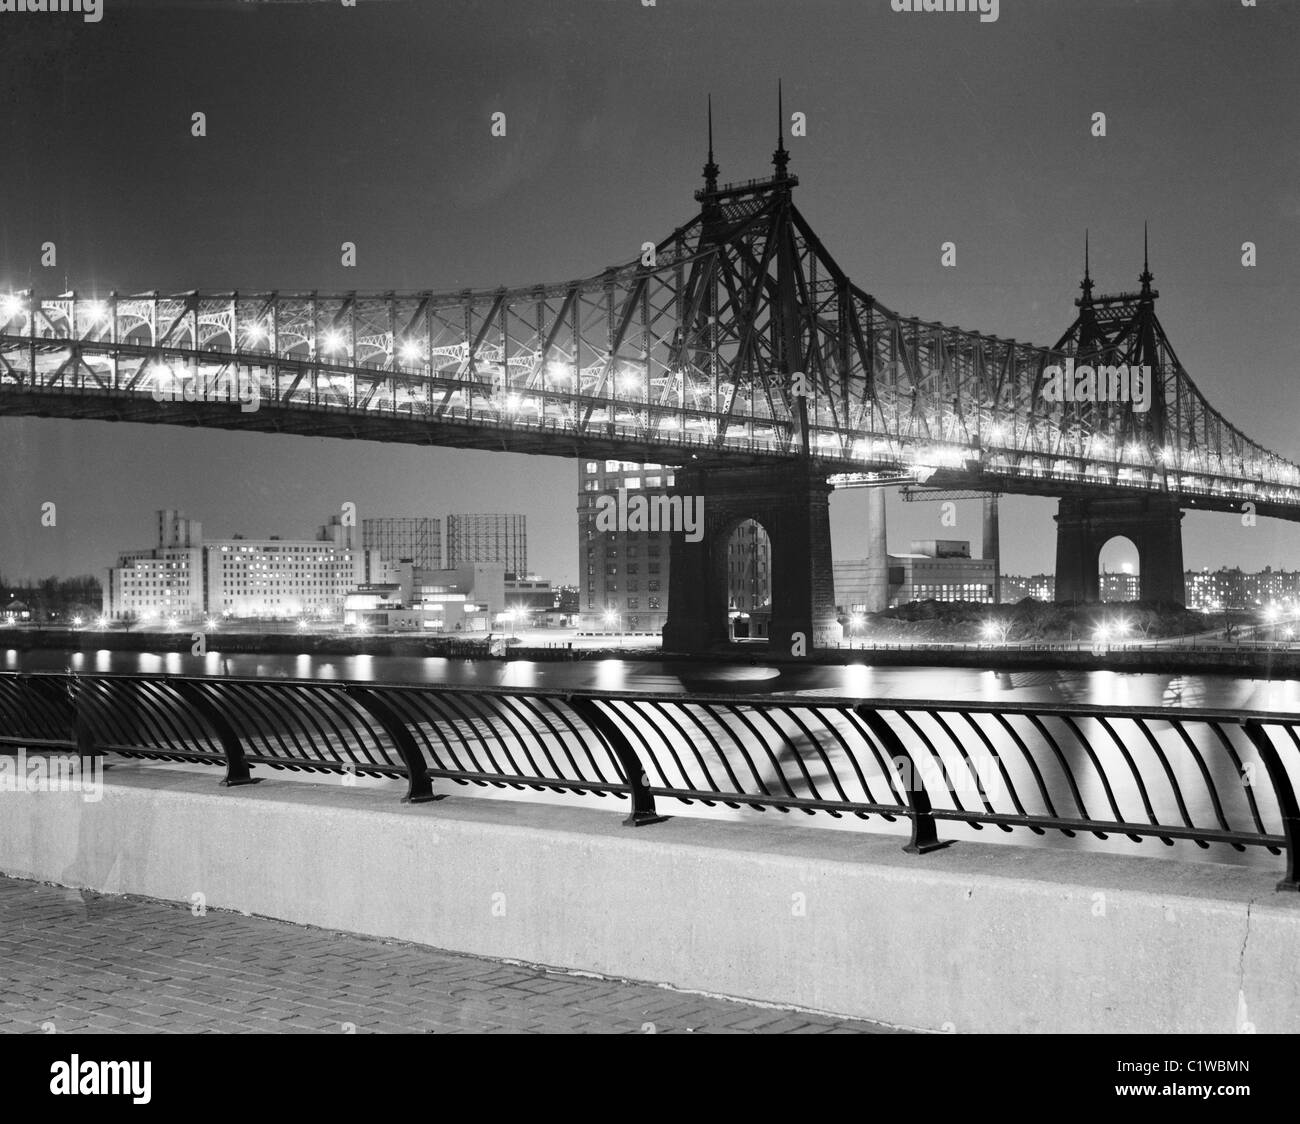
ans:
(972, 938)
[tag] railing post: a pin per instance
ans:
(643, 801)
(1286, 799)
(237, 766)
(419, 789)
(82, 733)
(925, 834)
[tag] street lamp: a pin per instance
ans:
(611, 619)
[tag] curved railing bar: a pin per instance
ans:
(501, 709)
(350, 737)
(1061, 760)
(466, 726)
(881, 757)
(1169, 772)
(1138, 779)
(317, 717)
(669, 710)
(925, 836)
(419, 789)
(796, 716)
(420, 717)
(636, 783)
(938, 716)
(935, 756)
(1288, 805)
(1211, 788)
(736, 709)
(543, 714)
(847, 750)
(1002, 767)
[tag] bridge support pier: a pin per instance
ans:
(793, 507)
(1152, 523)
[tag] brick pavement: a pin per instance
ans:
(78, 961)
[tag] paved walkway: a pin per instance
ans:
(73, 960)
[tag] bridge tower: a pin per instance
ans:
(1122, 329)
(753, 230)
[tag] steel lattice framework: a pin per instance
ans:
(739, 340)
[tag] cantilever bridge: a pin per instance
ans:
(738, 350)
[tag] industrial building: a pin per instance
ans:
(488, 538)
(932, 569)
(397, 538)
(185, 576)
(472, 597)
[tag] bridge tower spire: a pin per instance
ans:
(1086, 283)
(710, 168)
(1088, 335)
(1146, 277)
(780, 158)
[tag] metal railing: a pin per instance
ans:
(1210, 776)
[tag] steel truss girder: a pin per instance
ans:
(743, 339)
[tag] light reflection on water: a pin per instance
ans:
(856, 680)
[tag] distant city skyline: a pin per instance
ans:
(597, 160)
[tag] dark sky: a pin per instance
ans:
(371, 124)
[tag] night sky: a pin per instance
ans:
(371, 124)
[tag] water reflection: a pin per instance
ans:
(856, 680)
(611, 675)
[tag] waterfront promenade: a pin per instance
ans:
(76, 961)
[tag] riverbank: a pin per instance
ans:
(1265, 661)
